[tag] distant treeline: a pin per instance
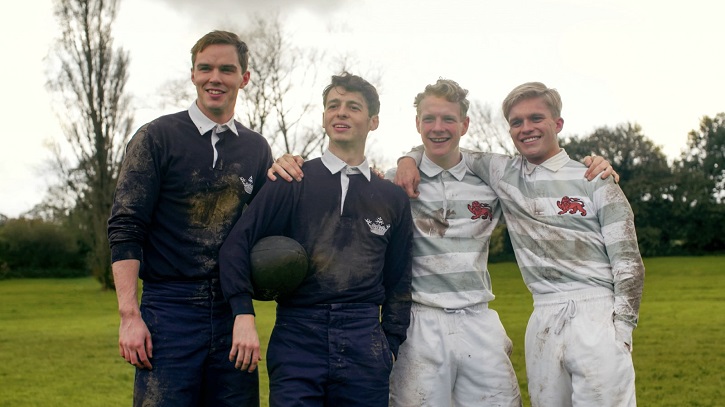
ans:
(679, 206)
(39, 248)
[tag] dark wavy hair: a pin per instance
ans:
(354, 83)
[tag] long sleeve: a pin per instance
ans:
(397, 275)
(136, 193)
(267, 215)
(620, 239)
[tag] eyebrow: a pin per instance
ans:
(228, 66)
(443, 116)
(223, 66)
(349, 102)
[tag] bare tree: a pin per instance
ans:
(88, 76)
(279, 97)
(176, 92)
(487, 132)
(282, 99)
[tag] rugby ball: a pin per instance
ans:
(279, 264)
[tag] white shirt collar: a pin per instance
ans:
(553, 164)
(431, 169)
(335, 165)
(204, 124)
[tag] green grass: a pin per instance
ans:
(58, 337)
(679, 345)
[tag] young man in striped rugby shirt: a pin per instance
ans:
(457, 351)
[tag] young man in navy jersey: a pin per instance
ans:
(184, 181)
(337, 334)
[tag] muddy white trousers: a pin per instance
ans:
(454, 358)
(572, 357)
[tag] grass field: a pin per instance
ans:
(58, 337)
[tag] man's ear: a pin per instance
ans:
(374, 122)
(466, 122)
(245, 79)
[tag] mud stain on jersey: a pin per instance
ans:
(433, 223)
(217, 207)
(329, 247)
(551, 274)
(212, 212)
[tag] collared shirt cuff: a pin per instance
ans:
(126, 251)
(242, 304)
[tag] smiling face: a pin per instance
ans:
(534, 130)
(441, 126)
(346, 119)
(217, 76)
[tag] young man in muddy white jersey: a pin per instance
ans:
(457, 351)
(576, 246)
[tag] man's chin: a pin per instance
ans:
(439, 149)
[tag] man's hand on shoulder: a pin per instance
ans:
(407, 177)
(598, 165)
(288, 167)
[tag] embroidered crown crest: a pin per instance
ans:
(377, 227)
(248, 184)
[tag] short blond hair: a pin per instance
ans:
(447, 89)
(530, 90)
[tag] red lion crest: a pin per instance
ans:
(571, 205)
(480, 210)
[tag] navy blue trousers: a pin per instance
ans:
(329, 355)
(191, 331)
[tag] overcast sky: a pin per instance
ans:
(655, 63)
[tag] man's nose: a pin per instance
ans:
(527, 126)
(215, 74)
(438, 125)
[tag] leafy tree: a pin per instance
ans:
(88, 76)
(706, 154)
(645, 177)
(30, 245)
(700, 189)
(637, 160)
